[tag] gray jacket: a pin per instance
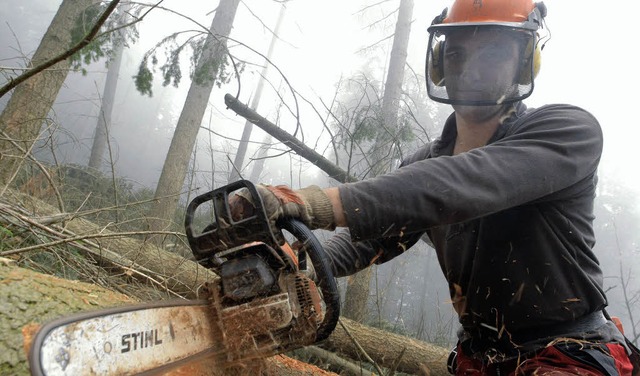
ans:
(511, 222)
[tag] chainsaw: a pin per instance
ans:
(264, 303)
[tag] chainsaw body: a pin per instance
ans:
(264, 302)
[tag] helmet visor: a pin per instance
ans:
(480, 65)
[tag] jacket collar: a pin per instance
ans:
(443, 145)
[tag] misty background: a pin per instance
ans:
(321, 47)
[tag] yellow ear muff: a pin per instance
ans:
(525, 74)
(436, 68)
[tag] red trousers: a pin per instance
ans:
(566, 359)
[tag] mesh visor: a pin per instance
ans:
(480, 64)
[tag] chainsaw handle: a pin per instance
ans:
(225, 232)
(324, 273)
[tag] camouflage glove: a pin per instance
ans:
(310, 205)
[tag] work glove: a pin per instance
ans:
(310, 205)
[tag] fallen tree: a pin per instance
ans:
(30, 299)
(134, 250)
(387, 349)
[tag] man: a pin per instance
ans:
(505, 195)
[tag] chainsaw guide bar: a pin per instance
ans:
(126, 340)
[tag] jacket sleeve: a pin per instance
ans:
(349, 257)
(541, 153)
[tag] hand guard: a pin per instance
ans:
(310, 205)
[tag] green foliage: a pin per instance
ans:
(215, 69)
(84, 189)
(171, 71)
(88, 189)
(144, 79)
(367, 123)
(52, 263)
(105, 44)
(203, 74)
(5, 233)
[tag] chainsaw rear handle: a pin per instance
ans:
(324, 274)
(224, 232)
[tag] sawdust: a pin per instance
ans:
(295, 367)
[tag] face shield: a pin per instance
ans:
(480, 64)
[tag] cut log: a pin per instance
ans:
(29, 299)
(419, 358)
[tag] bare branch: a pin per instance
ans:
(80, 45)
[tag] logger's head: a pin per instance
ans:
(484, 52)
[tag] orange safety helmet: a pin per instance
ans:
(496, 11)
(511, 15)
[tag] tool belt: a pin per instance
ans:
(477, 341)
(484, 343)
(586, 323)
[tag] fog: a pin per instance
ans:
(586, 62)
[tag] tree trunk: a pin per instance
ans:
(357, 294)
(258, 164)
(30, 299)
(238, 162)
(106, 105)
(176, 163)
(31, 100)
(397, 61)
(386, 349)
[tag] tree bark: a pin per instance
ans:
(345, 366)
(258, 164)
(357, 295)
(397, 61)
(31, 100)
(418, 358)
(106, 109)
(106, 105)
(176, 163)
(30, 299)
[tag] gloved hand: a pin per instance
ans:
(310, 205)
